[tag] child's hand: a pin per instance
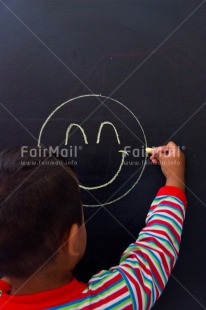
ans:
(172, 162)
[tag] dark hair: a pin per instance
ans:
(39, 202)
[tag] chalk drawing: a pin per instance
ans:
(100, 129)
(114, 177)
(78, 126)
(98, 139)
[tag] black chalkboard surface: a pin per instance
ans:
(134, 72)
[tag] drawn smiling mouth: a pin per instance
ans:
(124, 153)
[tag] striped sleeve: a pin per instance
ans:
(145, 266)
(147, 263)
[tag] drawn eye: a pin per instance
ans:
(69, 129)
(100, 130)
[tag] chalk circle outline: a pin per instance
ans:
(121, 104)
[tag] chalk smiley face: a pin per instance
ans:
(112, 179)
(123, 152)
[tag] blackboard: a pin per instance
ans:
(148, 56)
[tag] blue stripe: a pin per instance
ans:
(118, 303)
(170, 196)
(153, 254)
(164, 205)
(178, 200)
(168, 205)
(167, 217)
(153, 275)
(85, 298)
(163, 225)
(129, 286)
(102, 276)
(157, 237)
(145, 278)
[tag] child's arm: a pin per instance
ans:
(146, 264)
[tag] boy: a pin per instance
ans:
(42, 238)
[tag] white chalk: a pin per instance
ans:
(148, 150)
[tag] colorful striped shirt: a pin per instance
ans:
(139, 279)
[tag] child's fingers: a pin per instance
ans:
(171, 144)
(172, 147)
(160, 151)
(154, 160)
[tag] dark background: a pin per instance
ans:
(44, 44)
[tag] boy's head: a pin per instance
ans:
(40, 213)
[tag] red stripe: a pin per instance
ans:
(136, 285)
(141, 264)
(107, 284)
(167, 225)
(180, 220)
(173, 204)
(154, 270)
(155, 240)
(145, 288)
(162, 248)
(161, 233)
(107, 298)
(164, 261)
(167, 202)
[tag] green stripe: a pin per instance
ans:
(149, 281)
(168, 198)
(159, 270)
(123, 303)
(94, 285)
(167, 243)
(169, 233)
(171, 221)
(136, 264)
(158, 264)
(101, 273)
(174, 209)
(92, 298)
(154, 258)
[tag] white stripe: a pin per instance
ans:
(165, 209)
(100, 297)
(156, 267)
(112, 302)
(162, 251)
(148, 276)
(159, 236)
(157, 216)
(104, 283)
(167, 231)
(136, 280)
(132, 249)
(161, 261)
(174, 199)
(168, 215)
(142, 271)
(168, 259)
(104, 278)
(169, 218)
